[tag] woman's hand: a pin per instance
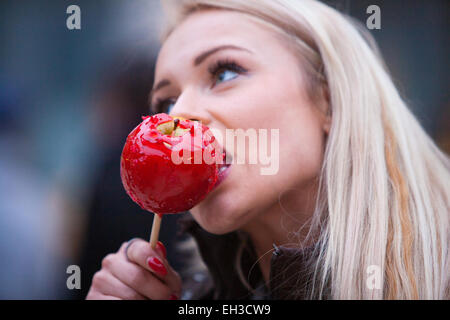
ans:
(144, 274)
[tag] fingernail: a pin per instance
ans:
(156, 265)
(173, 297)
(162, 248)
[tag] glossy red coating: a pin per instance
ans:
(153, 180)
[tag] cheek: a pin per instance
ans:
(265, 102)
(286, 107)
(302, 146)
(301, 137)
(268, 103)
(301, 132)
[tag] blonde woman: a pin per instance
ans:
(359, 208)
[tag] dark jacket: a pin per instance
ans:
(290, 276)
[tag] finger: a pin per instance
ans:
(123, 246)
(94, 295)
(108, 285)
(141, 280)
(105, 297)
(141, 253)
(161, 249)
(173, 279)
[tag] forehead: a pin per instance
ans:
(206, 29)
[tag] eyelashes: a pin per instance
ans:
(161, 105)
(223, 65)
(215, 70)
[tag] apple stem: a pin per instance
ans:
(155, 230)
(175, 124)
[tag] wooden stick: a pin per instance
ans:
(155, 230)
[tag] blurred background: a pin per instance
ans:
(68, 99)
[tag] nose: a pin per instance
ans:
(189, 106)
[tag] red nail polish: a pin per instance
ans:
(173, 297)
(156, 265)
(162, 248)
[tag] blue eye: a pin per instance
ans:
(226, 75)
(164, 106)
(170, 106)
(225, 70)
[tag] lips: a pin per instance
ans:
(223, 173)
(224, 168)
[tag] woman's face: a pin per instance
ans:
(252, 81)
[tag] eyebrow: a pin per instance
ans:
(197, 61)
(206, 54)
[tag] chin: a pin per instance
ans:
(217, 215)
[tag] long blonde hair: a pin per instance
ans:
(384, 196)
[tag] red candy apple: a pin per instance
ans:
(150, 165)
